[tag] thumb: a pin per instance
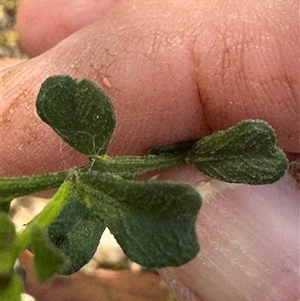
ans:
(249, 237)
(42, 24)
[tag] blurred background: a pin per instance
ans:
(9, 43)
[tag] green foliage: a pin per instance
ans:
(10, 283)
(130, 166)
(154, 222)
(47, 259)
(8, 240)
(11, 289)
(75, 234)
(7, 232)
(244, 153)
(78, 111)
(13, 187)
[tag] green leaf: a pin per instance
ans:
(8, 242)
(75, 234)
(154, 222)
(11, 289)
(47, 258)
(78, 111)
(244, 153)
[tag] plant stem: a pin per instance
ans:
(137, 165)
(49, 213)
(12, 187)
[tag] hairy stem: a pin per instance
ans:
(137, 165)
(49, 213)
(12, 187)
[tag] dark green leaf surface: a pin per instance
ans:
(244, 153)
(75, 234)
(78, 111)
(47, 258)
(154, 222)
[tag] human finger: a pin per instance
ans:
(162, 91)
(42, 24)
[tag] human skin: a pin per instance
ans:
(179, 70)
